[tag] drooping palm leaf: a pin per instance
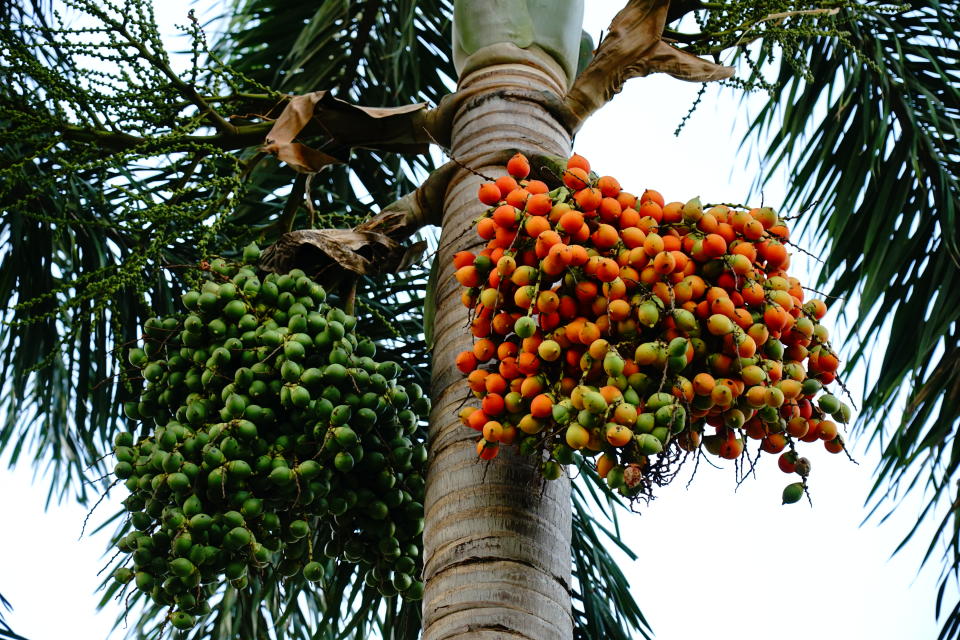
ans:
(603, 608)
(873, 140)
(5, 630)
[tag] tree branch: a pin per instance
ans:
(245, 136)
(187, 90)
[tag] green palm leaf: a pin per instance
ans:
(5, 630)
(873, 140)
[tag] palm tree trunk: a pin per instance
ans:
(497, 537)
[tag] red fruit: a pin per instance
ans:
(834, 446)
(466, 361)
(489, 193)
(505, 216)
(492, 404)
(787, 462)
(773, 443)
(731, 448)
(576, 178)
(506, 185)
(518, 166)
(579, 162)
(487, 450)
(609, 187)
(653, 196)
(463, 259)
(539, 204)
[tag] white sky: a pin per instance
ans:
(714, 563)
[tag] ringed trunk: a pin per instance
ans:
(496, 536)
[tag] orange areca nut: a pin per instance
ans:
(607, 322)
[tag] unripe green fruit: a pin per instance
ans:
(648, 444)
(251, 253)
(829, 403)
(181, 567)
(313, 572)
(237, 538)
(299, 529)
(182, 620)
(247, 426)
(123, 575)
(525, 327)
(551, 470)
(144, 581)
(792, 493)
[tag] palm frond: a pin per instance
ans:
(872, 135)
(5, 630)
(603, 606)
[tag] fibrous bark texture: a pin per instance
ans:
(497, 537)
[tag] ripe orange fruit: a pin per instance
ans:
(489, 193)
(536, 225)
(539, 204)
(536, 186)
(518, 198)
(576, 178)
(466, 361)
(518, 166)
(653, 196)
(588, 198)
(579, 162)
(493, 405)
(608, 270)
(605, 237)
(618, 435)
(609, 186)
(541, 406)
(672, 212)
(506, 184)
(610, 210)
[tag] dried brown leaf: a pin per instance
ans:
(403, 129)
(631, 49)
(329, 253)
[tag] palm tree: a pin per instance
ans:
(136, 197)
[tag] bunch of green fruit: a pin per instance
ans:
(272, 443)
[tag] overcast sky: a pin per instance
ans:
(714, 562)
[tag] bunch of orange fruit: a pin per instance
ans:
(631, 329)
